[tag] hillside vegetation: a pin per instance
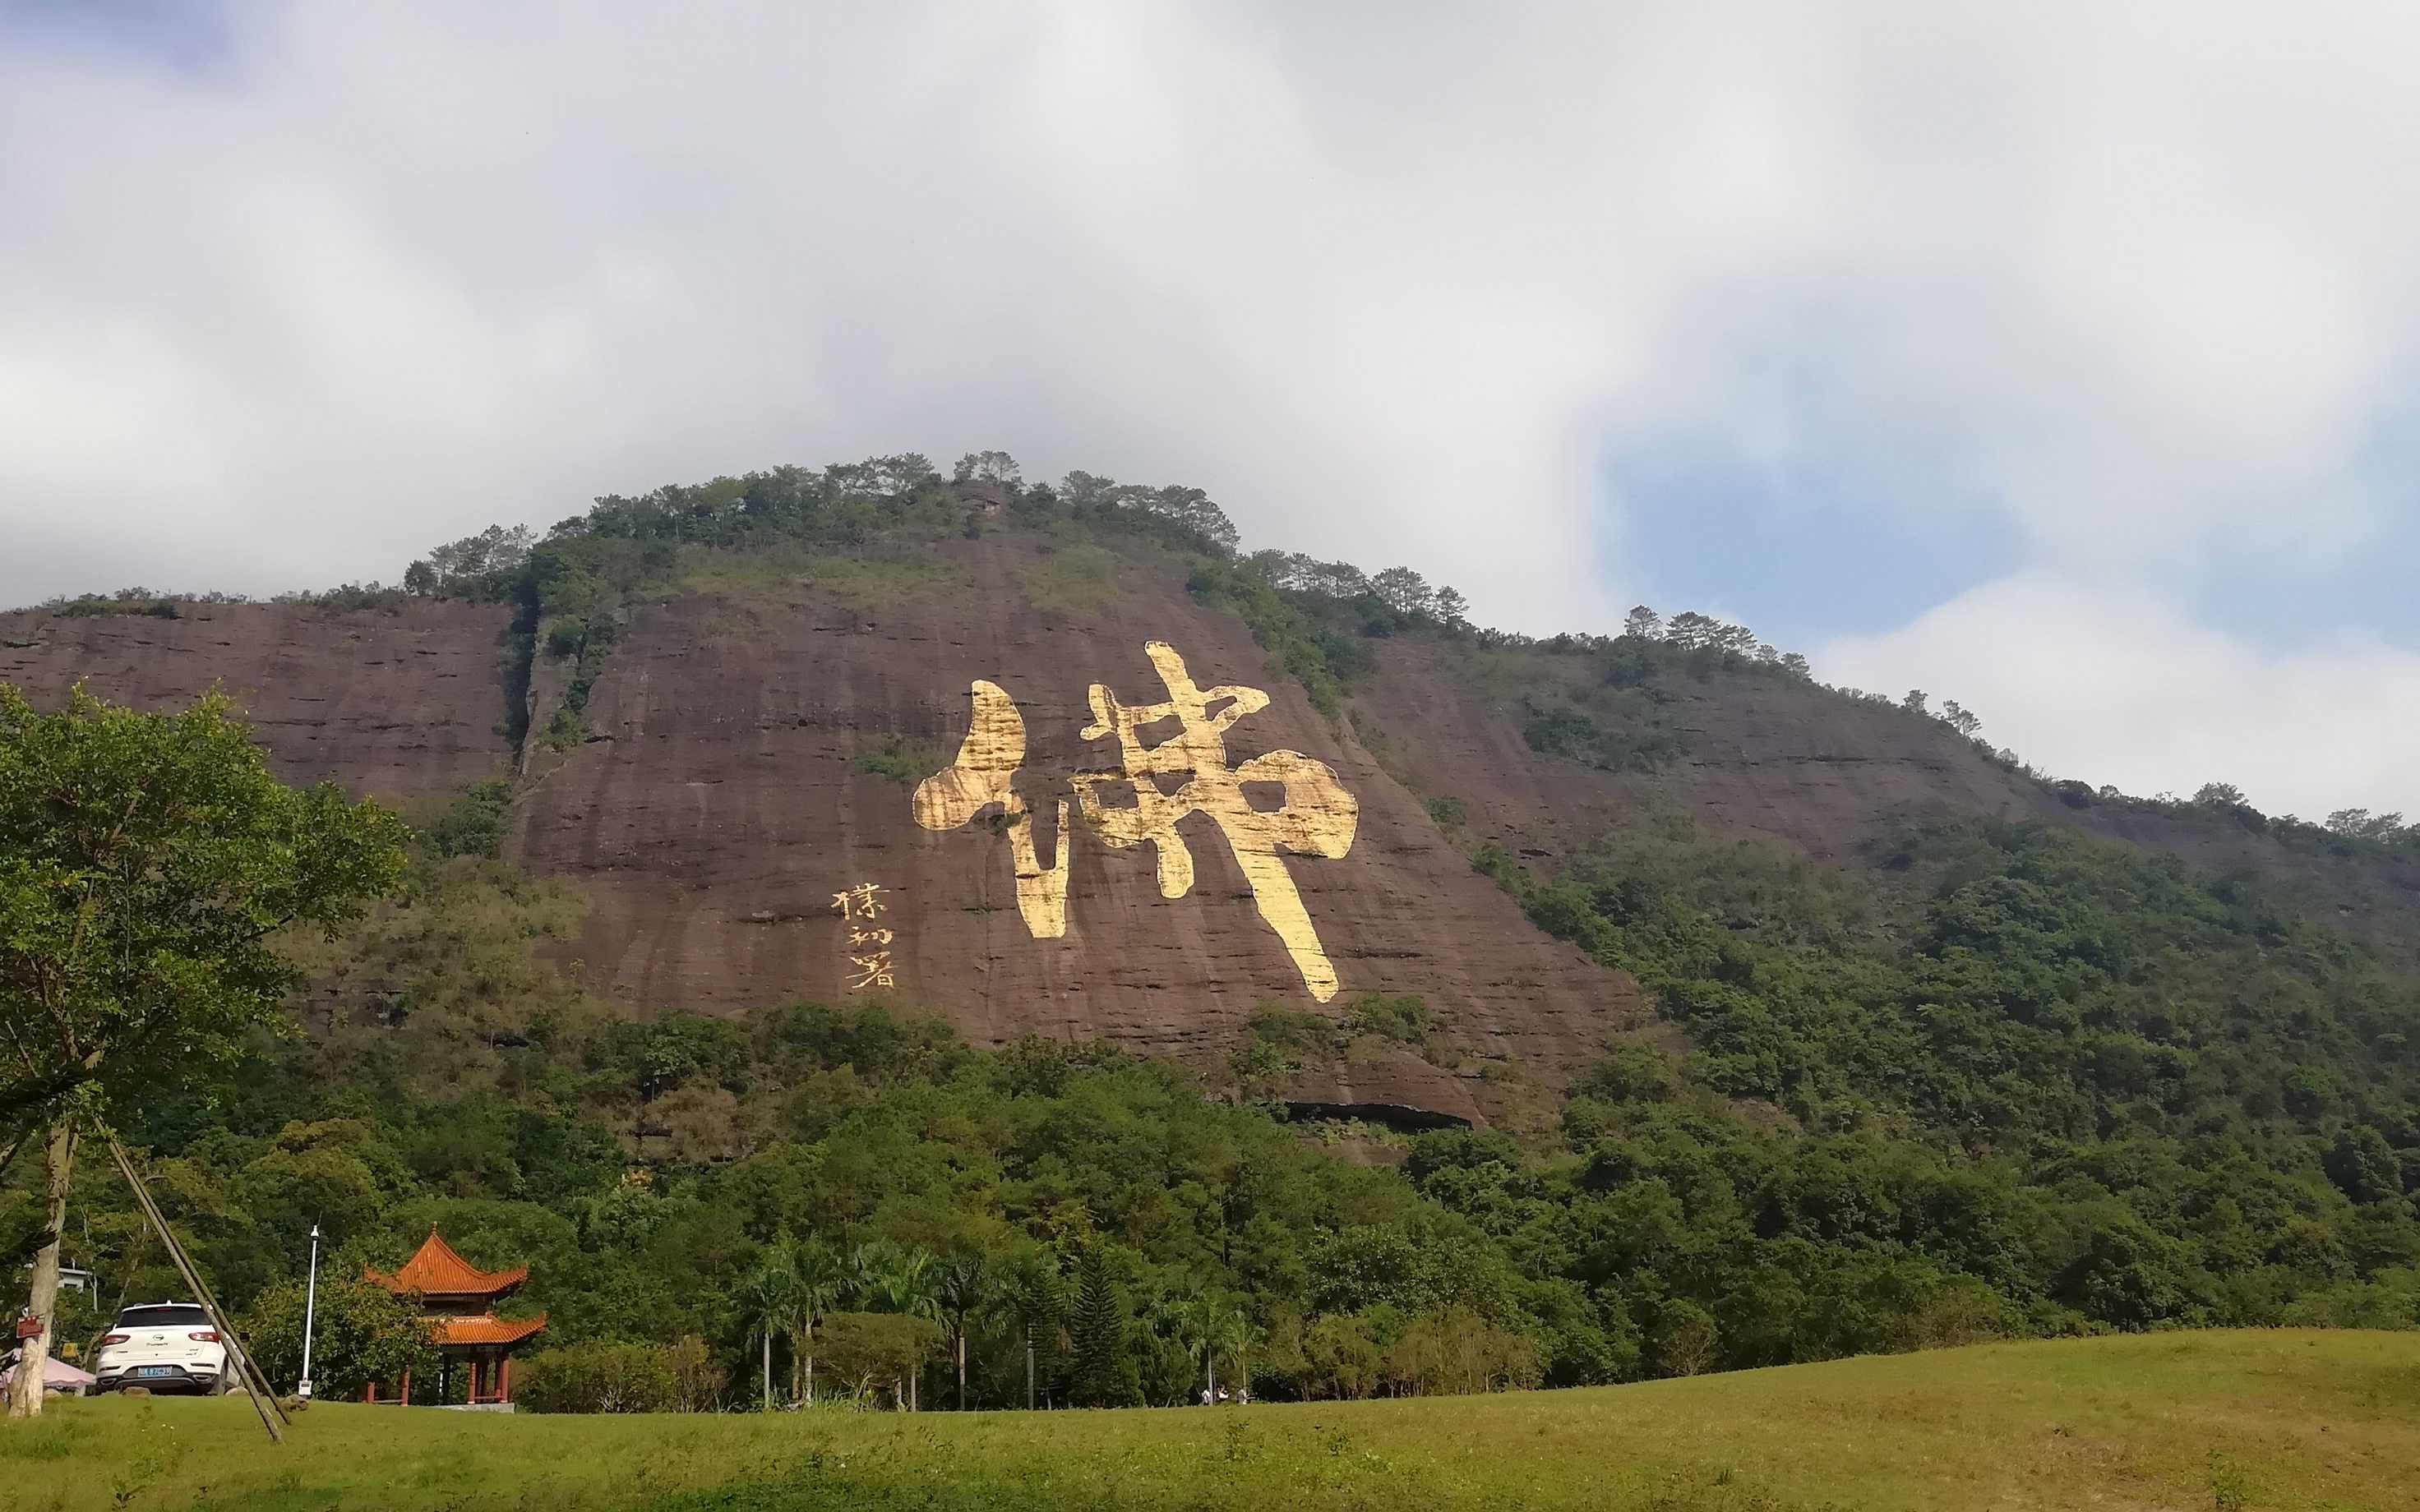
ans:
(2279, 1421)
(1975, 1077)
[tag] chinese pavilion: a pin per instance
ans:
(457, 1301)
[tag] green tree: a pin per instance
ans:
(2130, 1276)
(1097, 1327)
(885, 1277)
(962, 1287)
(768, 1300)
(988, 467)
(1687, 1340)
(148, 864)
(870, 1350)
(360, 1334)
(819, 1281)
(1232, 1337)
(476, 567)
(2362, 1166)
(1346, 1357)
(602, 1376)
(1030, 1291)
(1403, 591)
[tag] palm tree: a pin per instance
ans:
(906, 1286)
(1232, 1336)
(1029, 1286)
(881, 1276)
(819, 1279)
(767, 1297)
(862, 1270)
(1196, 1322)
(962, 1286)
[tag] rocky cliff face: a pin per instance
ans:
(402, 705)
(745, 769)
(738, 799)
(1792, 762)
(1035, 787)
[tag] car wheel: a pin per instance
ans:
(218, 1386)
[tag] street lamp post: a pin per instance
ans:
(310, 1306)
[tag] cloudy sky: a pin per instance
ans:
(2062, 359)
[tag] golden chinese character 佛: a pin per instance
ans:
(1317, 816)
(984, 775)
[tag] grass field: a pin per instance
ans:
(2286, 1419)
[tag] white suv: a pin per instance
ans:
(165, 1346)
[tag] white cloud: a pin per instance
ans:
(1390, 283)
(2107, 688)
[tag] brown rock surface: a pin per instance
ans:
(1792, 762)
(719, 804)
(398, 704)
(754, 743)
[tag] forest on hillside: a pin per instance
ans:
(1862, 1161)
(2016, 1082)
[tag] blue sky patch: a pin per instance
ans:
(184, 35)
(1797, 555)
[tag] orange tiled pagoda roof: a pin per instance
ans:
(435, 1270)
(486, 1330)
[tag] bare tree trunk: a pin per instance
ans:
(769, 1370)
(34, 1358)
(962, 1367)
(811, 1363)
(1028, 1368)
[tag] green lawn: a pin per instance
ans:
(2282, 1419)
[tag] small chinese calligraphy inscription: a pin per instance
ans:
(868, 943)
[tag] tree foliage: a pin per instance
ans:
(148, 866)
(361, 1333)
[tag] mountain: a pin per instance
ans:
(1674, 1011)
(714, 712)
(751, 748)
(717, 711)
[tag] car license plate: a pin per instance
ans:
(156, 1370)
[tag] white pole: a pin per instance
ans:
(310, 1307)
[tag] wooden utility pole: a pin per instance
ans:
(256, 1386)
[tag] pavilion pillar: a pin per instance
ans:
(478, 1378)
(503, 1378)
(405, 1399)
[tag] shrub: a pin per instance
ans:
(361, 1333)
(877, 1351)
(1406, 1019)
(901, 759)
(599, 1377)
(474, 825)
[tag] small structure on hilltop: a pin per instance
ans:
(457, 1301)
